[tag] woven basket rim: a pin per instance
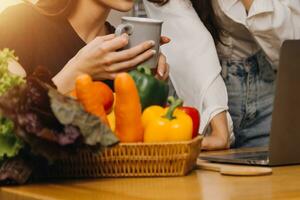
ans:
(199, 137)
(126, 161)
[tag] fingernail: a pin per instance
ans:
(125, 35)
(151, 42)
(153, 51)
(160, 73)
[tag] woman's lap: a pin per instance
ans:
(250, 91)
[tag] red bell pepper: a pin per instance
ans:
(194, 114)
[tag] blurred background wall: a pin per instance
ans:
(115, 17)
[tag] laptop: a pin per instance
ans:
(284, 146)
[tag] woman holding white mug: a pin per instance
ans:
(72, 37)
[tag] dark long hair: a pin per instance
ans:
(205, 11)
(53, 8)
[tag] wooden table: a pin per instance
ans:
(284, 183)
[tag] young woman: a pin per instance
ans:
(72, 37)
(248, 35)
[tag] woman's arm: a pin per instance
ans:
(219, 133)
(102, 61)
(219, 137)
(99, 58)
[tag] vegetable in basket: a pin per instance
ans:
(49, 124)
(92, 100)
(151, 90)
(128, 111)
(10, 145)
(107, 96)
(194, 114)
(112, 120)
(112, 117)
(72, 128)
(167, 124)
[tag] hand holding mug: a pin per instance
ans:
(102, 61)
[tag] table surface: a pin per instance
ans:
(284, 183)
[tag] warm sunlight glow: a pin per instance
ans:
(5, 3)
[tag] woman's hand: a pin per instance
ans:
(102, 61)
(214, 142)
(219, 137)
(163, 70)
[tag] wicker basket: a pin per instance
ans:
(132, 160)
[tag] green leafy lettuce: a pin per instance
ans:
(8, 80)
(10, 145)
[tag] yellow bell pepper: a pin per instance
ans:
(111, 116)
(112, 120)
(167, 124)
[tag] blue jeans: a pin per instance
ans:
(250, 85)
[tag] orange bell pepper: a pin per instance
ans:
(167, 124)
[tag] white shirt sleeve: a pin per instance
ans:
(215, 102)
(295, 8)
(194, 65)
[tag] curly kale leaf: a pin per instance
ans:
(7, 79)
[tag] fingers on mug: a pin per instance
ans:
(124, 28)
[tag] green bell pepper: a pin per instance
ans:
(151, 90)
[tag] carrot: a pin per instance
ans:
(90, 97)
(128, 110)
(107, 95)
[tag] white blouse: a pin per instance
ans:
(295, 8)
(267, 24)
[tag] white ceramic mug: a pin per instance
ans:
(141, 30)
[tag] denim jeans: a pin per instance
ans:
(250, 85)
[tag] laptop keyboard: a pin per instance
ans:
(252, 158)
(262, 155)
